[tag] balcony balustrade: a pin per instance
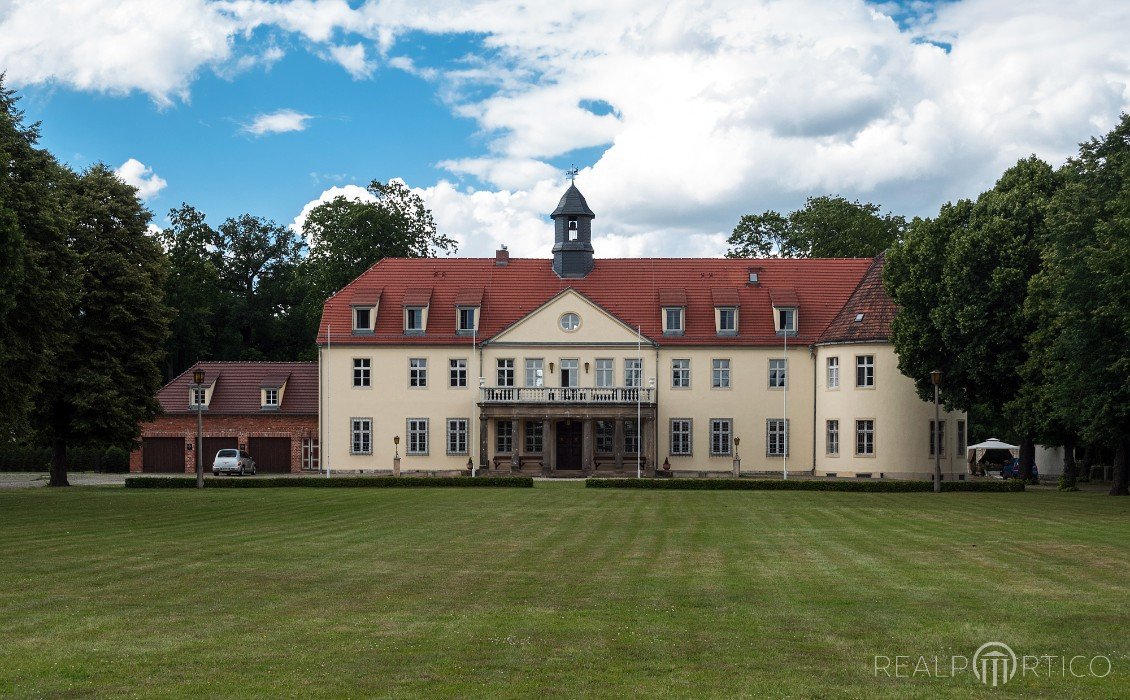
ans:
(568, 395)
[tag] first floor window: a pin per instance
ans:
(458, 373)
(721, 436)
(361, 436)
(777, 437)
(605, 436)
(417, 436)
(534, 440)
(832, 444)
(720, 374)
(961, 438)
(833, 372)
(570, 373)
(633, 372)
(504, 437)
(535, 372)
(631, 437)
(505, 372)
(457, 436)
(681, 374)
(938, 437)
(604, 373)
(309, 454)
(418, 372)
(680, 436)
(865, 370)
(362, 372)
(777, 374)
(865, 437)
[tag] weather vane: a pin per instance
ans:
(571, 173)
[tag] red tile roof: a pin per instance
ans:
(869, 299)
(784, 298)
(469, 297)
(417, 297)
(368, 297)
(672, 297)
(629, 289)
(237, 387)
(725, 297)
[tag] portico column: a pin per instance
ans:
(648, 438)
(550, 462)
(483, 424)
(618, 444)
(587, 445)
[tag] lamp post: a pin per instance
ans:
(737, 458)
(936, 379)
(198, 382)
(396, 456)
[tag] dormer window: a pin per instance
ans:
(415, 305)
(364, 305)
(414, 319)
(270, 398)
(198, 397)
(271, 392)
(468, 320)
(785, 305)
(362, 319)
(673, 320)
(786, 321)
(727, 318)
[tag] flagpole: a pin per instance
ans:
(321, 448)
(639, 432)
(470, 428)
(785, 410)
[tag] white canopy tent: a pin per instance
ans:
(976, 452)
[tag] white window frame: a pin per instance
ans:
(574, 366)
(682, 437)
(865, 371)
(270, 393)
(362, 373)
(720, 368)
(310, 455)
(535, 371)
(721, 312)
(865, 437)
(409, 312)
(776, 433)
(673, 317)
(782, 312)
(457, 373)
(633, 372)
(458, 432)
(368, 327)
(504, 371)
(832, 374)
(832, 437)
(199, 396)
(721, 437)
(605, 373)
(360, 436)
(681, 373)
(417, 373)
(461, 327)
(778, 373)
(418, 437)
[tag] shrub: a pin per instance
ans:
(860, 486)
(115, 460)
(24, 459)
(177, 482)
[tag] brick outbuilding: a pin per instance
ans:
(269, 409)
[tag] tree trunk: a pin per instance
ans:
(1121, 486)
(59, 463)
(1088, 460)
(1069, 474)
(1027, 457)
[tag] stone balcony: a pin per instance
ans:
(571, 395)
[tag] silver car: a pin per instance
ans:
(233, 462)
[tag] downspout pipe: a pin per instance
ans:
(815, 377)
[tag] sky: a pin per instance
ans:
(680, 116)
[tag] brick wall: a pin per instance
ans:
(241, 427)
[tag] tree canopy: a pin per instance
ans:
(826, 227)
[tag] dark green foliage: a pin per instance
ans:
(827, 227)
(192, 288)
(176, 482)
(861, 486)
(87, 459)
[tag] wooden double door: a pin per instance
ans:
(570, 439)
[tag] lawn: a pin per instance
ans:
(555, 591)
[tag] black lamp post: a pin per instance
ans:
(396, 457)
(936, 379)
(198, 386)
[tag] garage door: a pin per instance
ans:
(162, 455)
(212, 445)
(271, 454)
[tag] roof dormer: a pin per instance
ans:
(468, 304)
(416, 302)
(200, 395)
(271, 392)
(673, 310)
(365, 305)
(785, 310)
(725, 311)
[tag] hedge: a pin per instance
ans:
(867, 486)
(178, 482)
(79, 459)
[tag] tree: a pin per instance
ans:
(104, 376)
(37, 270)
(349, 236)
(827, 227)
(192, 288)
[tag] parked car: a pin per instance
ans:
(233, 462)
(1011, 470)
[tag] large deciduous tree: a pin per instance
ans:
(192, 288)
(104, 376)
(826, 227)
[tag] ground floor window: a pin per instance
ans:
(534, 437)
(680, 436)
(631, 437)
(309, 454)
(832, 444)
(938, 437)
(417, 436)
(960, 438)
(457, 436)
(504, 437)
(776, 437)
(721, 436)
(361, 436)
(865, 437)
(605, 436)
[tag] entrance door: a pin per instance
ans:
(570, 434)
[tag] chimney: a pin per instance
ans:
(502, 256)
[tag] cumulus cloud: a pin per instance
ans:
(353, 59)
(354, 192)
(277, 122)
(134, 172)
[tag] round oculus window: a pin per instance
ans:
(570, 321)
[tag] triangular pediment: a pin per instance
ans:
(596, 326)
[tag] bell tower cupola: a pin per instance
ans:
(572, 228)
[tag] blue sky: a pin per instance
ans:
(682, 116)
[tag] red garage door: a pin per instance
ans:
(271, 454)
(162, 455)
(212, 445)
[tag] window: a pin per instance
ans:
(605, 436)
(414, 319)
(681, 374)
(865, 370)
(833, 373)
(832, 437)
(417, 436)
(361, 436)
(505, 373)
(680, 436)
(570, 322)
(418, 372)
(633, 372)
(457, 373)
(938, 438)
(362, 372)
(961, 438)
(467, 318)
(727, 321)
(721, 435)
(631, 437)
(777, 374)
(605, 376)
(573, 229)
(309, 455)
(865, 437)
(570, 374)
(504, 436)
(457, 436)
(534, 437)
(199, 397)
(673, 320)
(271, 398)
(786, 320)
(362, 319)
(777, 437)
(535, 372)
(720, 374)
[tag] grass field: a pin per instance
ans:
(555, 591)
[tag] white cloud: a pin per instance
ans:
(277, 122)
(134, 172)
(353, 59)
(355, 192)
